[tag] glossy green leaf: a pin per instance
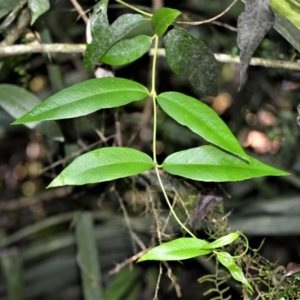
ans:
(190, 57)
(162, 19)
(179, 249)
(228, 262)
(224, 240)
(103, 164)
(208, 163)
(37, 8)
(201, 119)
(106, 36)
(127, 51)
(16, 101)
(86, 97)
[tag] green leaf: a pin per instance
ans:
(208, 163)
(98, 18)
(86, 97)
(16, 101)
(37, 8)
(224, 240)
(7, 6)
(162, 19)
(190, 57)
(228, 262)
(103, 164)
(201, 119)
(105, 37)
(179, 249)
(289, 9)
(127, 51)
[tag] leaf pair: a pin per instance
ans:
(186, 55)
(107, 44)
(185, 248)
(206, 163)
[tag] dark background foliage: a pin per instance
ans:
(262, 115)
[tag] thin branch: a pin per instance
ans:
(80, 11)
(209, 20)
(255, 61)
(6, 51)
(42, 48)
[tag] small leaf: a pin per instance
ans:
(253, 25)
(16, 101)
(103, 164)
(106, 36)
(224, 240)
(162, 19)
(201, 119)
(86, 97)
(228, 262)
(37, 8)
(179, 249)
(208, 163)
(190, 57)
(126, 51)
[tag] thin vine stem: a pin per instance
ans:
(153, 95)
(209, 20)
(135, 9)
(170, 205)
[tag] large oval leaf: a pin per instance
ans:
(86, 97)
(179, 249)
(126, 51)
(209, 163)
(103, 164)
(201, 119)
(16, 101)
(162, 19)
(190, 57)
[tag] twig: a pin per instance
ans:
(6, 51)
(127, 261)
(209, 20)
(224, 25)
(80, 11)
(42, 48)
(255, 61)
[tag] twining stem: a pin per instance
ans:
(153, 95)
(170, 205)
(135, 9)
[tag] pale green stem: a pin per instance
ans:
(153, 94)
(170, 205)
